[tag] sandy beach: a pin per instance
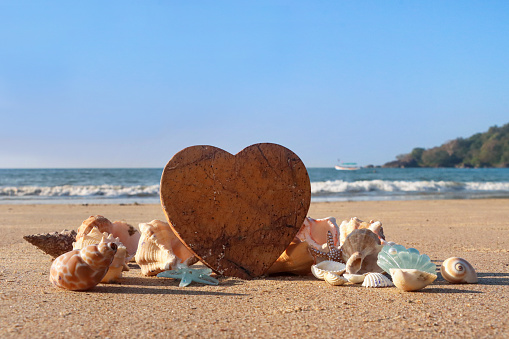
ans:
(283, 306)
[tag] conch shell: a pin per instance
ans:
(128, 235)
(295, 259)
(355, 223)
(314, 232)
(159, 249)
(54, 244)
(408, 279)
(80, 270)
(458, 271)
(360, 251)
(119, 262)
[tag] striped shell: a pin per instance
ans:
(458, 271)
(80, 270)
(325, 266)
(377, 280)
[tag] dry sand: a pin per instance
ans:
(477, 230)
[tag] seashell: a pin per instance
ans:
(333, 279)
(325, 266)
(119, 261)
(376, 280)
(458, 271)
(397, 256)
(409, 279)
(355, 223)
(360, 251)
(80, 270)
(54, 244)
(295, 259)
(128, 235)
(355, 278)
(314, 232)
(159, 249)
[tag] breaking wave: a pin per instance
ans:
(109, 191)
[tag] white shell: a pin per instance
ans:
(458, 271)
(376, 280)
(355, 278)
(334, 279)
(325, 266)
(411, 279)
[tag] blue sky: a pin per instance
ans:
(130, 83)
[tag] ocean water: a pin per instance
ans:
(80, 186)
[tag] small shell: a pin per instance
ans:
(360, 251)
(128, 235)
(80, 270)
(355, 278)
(325, 266)
(411, 279)
(314, 232)
(119, 261)
(377, 280)
(54, 244)
(159, 249)
(334, 279)
(295, 259)
(458, 271)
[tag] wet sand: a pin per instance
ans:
(284, 306)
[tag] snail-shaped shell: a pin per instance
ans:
(81, 270)
(458, 271)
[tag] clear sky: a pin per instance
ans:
(130, 83)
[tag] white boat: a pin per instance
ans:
(347, 166)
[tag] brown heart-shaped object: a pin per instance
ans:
(237, 213)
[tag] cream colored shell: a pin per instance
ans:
(458, 271)
(334, 279)
(319, 270)
(375, 280)
(159, 249)
(355, 278)
(348, 226)
(411, 279)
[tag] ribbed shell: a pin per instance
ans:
(376, 280)
(363, 245)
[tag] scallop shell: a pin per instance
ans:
(128, 235)
(54, 244)
(159, 249)
(397, 256)
(408, 279)
(458, 271)
(295, 259)
(119, 261)
(334, 279)
(360, 251)
(319, 270)
(376, 280)
(80, 270)
(314, 232)
(348, 226)
(355, 278)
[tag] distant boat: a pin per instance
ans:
(347, 166)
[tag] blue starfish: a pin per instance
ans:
(188, 275)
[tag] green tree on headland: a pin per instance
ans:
(489, 149)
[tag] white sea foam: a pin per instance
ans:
(340, 186)
(80, 191)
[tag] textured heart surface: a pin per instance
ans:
(237, 213)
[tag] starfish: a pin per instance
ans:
(188, 275)
(333, 254)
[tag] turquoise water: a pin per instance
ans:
(327, 184)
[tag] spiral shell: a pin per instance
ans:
(377, 280)
(80, 270)
(458, 271)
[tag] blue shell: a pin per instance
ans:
(397, 256)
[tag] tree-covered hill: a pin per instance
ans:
(489, 149)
